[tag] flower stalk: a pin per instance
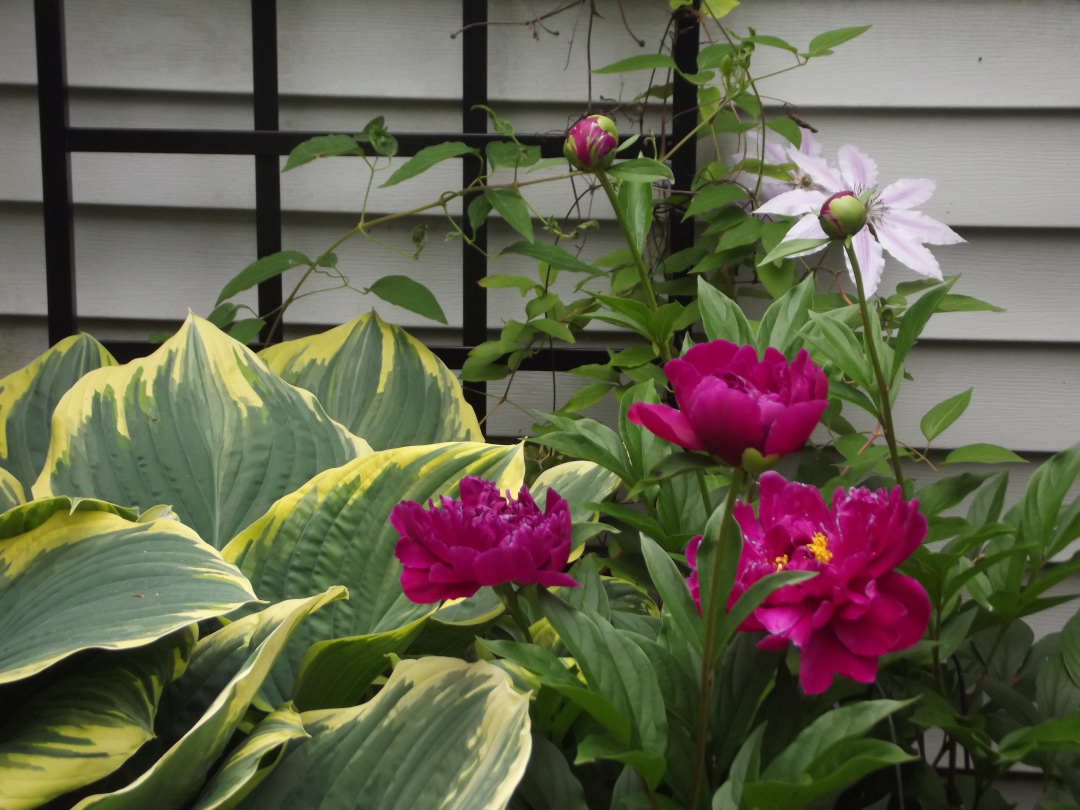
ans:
(639, 261)
(716, 609)
(883, 389)
(509, 596)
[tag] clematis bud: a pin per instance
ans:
(842, 215)
(590, 143)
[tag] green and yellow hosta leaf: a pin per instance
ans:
(335, 530)
(202, 424)
(28, 397)
(83, 726)
(11, 491)
(252, 761)
(32, 514)
(441, 735)
(577, 482)
(95, 580)
(176, 778)
(380, 382)
(215, 661)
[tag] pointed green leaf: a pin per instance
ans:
(511, 206)
(441, 734)
(202, 424)
(641, 170)
(982, 453)
(785, 318)
(791, 247)
(823, 44)
(322, 146)
(11, 491)
(176, 778)
(252, 761)
(721, 317)
(28, 397)
(714, 196)
(426, 158)
(938, 418)
(85, 725)
(645, 61)
(96, 580)
(262, 270)
(558, 257)
(380, 382)
(404, 292)
(335, 530)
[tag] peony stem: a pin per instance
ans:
(631, 242)
(704, 488)
(716, 609)
(883, 390)
(509, 598)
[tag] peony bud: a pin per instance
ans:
(590, 143)
(842, 215)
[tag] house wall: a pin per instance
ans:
(979, 94)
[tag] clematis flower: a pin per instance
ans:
(858, 607)
(730, 402)
(451, 550)
(892, 224)
(590, 143)
(776, 155)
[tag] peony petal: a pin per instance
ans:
(709, 358)
(684, 378)
(503, 564)
(665, 422)
(421, 590)
(724, 421)
(925, 228)
(906, 193)
(905, 248)
(871, 262)
(413, 554)
(555, 579)
(858, 170)
(908, 592)
(820, 171)
(824, 655)
(794, 203)
(793, 427)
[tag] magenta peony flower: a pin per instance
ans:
(450, 551)
(731, 402)
(590, 143)
(857, 608)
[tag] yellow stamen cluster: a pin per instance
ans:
(781, 562)
(819, 547)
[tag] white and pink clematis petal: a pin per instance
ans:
(922, 227)
(809, 145)
(806, 228)
(794, 203)
(871, 260)
(907, 193)
(857, 168)
(905, 248)
(822, 173)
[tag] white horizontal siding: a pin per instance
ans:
(919, 54)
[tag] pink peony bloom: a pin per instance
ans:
(858, 607)
(731, 402)
(892, 224)
(450, 551)
(590, 143)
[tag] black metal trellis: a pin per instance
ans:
(266, 143)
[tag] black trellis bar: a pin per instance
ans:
(266, 143)
(264, 80)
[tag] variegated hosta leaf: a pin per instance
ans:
(31, 515)
(441, 735)
(175, 779)
(215, 661)
(252, 761)
(335, 530)
(95, 580)
(577, 482)
(380, 382)
(11, 491)
(28, 397)
(201, 424)
(83, 726)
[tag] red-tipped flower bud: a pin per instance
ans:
(842, 215)
(590, 143)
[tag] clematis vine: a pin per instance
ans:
(744, 410)
(892, 225)
(858, 607)
(485, 538)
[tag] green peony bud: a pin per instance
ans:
(590, 143)
(842, 215)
